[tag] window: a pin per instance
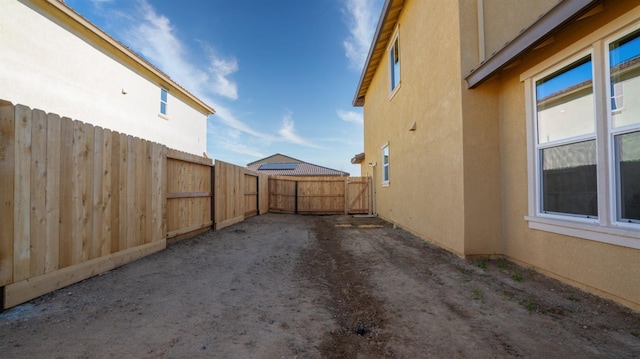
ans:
(584, 135)
(566, 145)
(163, 101)
(385, 164)
(394, 64)
(624, 78)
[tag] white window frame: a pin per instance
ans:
(385, 181)
(394, 45)
(606, 228)
(164, 115)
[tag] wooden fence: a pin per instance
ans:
(189, 195)
(78, 200)
(237, 194)
(319, 195)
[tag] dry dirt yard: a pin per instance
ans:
(284, 286)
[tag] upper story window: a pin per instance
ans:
(385, 164)
(163, 101)
(394, 63)
(584, 131)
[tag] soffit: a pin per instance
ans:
(386, 25)
(556, 18)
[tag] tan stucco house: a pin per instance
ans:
(511, 128)
(53, 59)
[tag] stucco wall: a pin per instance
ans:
(503, 19)
(609, 270)
(45, 66)
(425, 194)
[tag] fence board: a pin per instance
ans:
(22, 195)
(97, 210)
(52, 200)
(104, 171)
(115, 191)
(66, 194)
(38, 191)
(263, 193)
(7, 173)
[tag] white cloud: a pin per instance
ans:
(222, 68)
(153, 36)
(288, 133)
(350, 116)
(362, 22)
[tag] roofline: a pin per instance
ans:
(327, 168)
(275, 154)
(358, 99)
(68, 16)
(553, 20)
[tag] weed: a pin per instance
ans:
(635, 334)
(477, 294)
(573, 299)
(502, 263)
(482, 264)
(517, 276)
(529, 304)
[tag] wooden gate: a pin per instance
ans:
(319, 195)
(358, 195)
(251, 203)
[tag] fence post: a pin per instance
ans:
(295, 211)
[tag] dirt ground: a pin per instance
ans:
(284, 286)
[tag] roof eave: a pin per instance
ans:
(370, 65)
(67, 14)
(556, 18)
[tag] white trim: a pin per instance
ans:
(394, 38)
(165, 102)
(606, 228)
(625, 22)
(382, 148)
(594, 232)
(613, 191)
(537, 146)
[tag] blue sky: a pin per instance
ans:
(281, 75)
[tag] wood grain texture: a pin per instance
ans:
(7, 178)
(22, 194)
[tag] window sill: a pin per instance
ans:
(164, 117)
(616, 235)
(395, 91)
(385, 184)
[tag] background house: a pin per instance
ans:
(281, 165)
(52, 58)
(509, 128)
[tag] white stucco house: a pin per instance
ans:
(53, 59)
